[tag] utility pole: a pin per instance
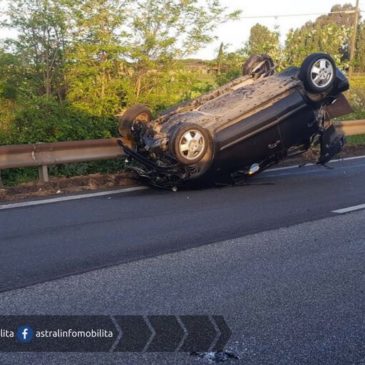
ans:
(354, 35)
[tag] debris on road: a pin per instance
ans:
(219, 356)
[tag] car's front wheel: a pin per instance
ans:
(318, 72)
(191, 143)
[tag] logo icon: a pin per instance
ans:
(24, 334)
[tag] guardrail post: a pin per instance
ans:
(43, 173)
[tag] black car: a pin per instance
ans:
(241, 128)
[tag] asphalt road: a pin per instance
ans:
(46, 242)
(291, 296)
(286, 272)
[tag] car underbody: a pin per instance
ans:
(247, 125)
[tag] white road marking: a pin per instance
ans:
(138, 188)
(286, 168)
(312, 164)
(71, 197)
(349, 209)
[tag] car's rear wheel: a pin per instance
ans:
(191, 143)
(137, 113)
(318, 72)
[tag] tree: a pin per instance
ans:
(124, 53)
(339, 14)
(263, 40)
(360, 49)
(95, 70)
(163, 31)
(328, 33)
(330, 38)
(220, 58)
(95, 57)
(41, 42)
(9, 84)
(228, 64)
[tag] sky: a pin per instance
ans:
(236, 33)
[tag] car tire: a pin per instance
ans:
(258, 66)
(137, 112)
(318, 72)
(191, 143)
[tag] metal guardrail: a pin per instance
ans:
(351, 127)
(43, 155)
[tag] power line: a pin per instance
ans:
(297, 14)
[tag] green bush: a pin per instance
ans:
(87, 168)
(355, 140)
(45, 120)
(356, 97)
(13, 177)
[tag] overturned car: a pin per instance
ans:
(241, 128)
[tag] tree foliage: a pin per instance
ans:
(40, 44)
(159, 33)
(360, 49)
(329, 33)
(228, 64)
(329, 38)
(95, 68)
(339, 14)
(263, 40)
(79, 58)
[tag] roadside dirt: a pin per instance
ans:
(63, 185)
(348, 151)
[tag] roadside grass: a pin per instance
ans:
(356, 115)
(14, 177)
(356, 140)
